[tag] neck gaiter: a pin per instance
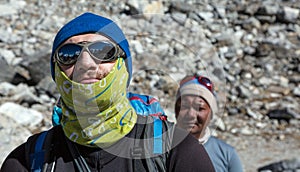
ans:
(97, 114)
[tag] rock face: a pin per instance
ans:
(250, 49)
(284, 165)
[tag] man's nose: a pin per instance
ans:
(86, 62)
(191, 112)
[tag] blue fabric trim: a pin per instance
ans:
(144, 106)
(157, 136)
(40, 142)
(56, 115)
(37, 158)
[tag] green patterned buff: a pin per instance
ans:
(97, 114)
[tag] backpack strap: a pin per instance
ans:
(157, 136)
(143, 153)
(38, 151)
(149, 106)
(79, 161)
(137, 150)
(161, 131)
(37, 157)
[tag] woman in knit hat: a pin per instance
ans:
(98, 125)
(194, 108)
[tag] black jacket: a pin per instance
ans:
(186, 155)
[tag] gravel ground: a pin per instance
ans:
(251, 49)
(260, 150)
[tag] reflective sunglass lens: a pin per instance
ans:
(206, 82)
(201, 80)
(102, 50)
(68, 53)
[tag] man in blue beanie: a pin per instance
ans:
(98, 125)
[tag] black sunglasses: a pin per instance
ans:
(201, 80)
(104, 51)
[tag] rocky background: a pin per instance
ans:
(249, 48)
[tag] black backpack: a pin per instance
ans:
(152, 123)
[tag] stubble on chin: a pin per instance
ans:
(101, 74)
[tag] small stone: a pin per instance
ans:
(281, 137)
(246, 131)
(296, 91)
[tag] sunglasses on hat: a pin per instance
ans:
(104, 51)
(200, 80)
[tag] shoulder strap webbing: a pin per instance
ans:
(37, 158)
(145, 158)
(38, 149)
(137, 151)
(78, 159)
(157, 135)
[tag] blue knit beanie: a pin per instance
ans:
(92, 23)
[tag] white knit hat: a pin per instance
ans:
(199, 90)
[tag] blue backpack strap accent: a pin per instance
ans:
(149, 106)
(157, 145)
(56, 115)
(37, 158)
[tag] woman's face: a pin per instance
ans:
(194, 114)
(87, 70)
